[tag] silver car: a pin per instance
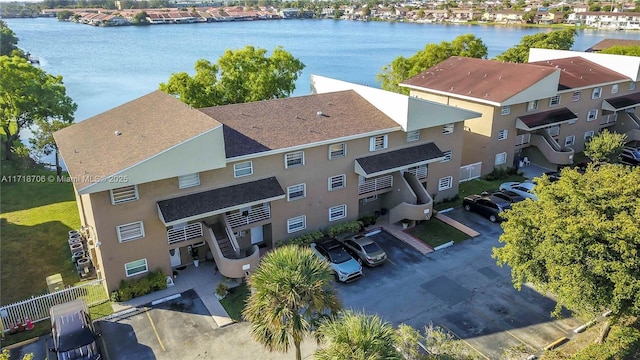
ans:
(365, 250)
(345, 267)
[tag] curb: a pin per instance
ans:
(22, 343)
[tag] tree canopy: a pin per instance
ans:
(580, 240)
(29, 94)
(402, 68)
(42, 140)
(632, 50)
(558, 40)
(239, 76)
(605, 146)
(8, 40)
(291, 291)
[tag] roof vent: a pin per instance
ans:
(319, 113)
(118, 133)
(485, 75)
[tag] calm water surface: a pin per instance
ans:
(105, 67)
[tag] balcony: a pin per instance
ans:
(256, 214)
(181, 234)
(608, 120)
(523, 139)
(375, 184)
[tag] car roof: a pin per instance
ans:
(328, 244)
(497, 200)
(73, 331)
(363, 240)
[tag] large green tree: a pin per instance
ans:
(605, 146)
(356, 336)
(402, 68)
(580, 240)
(27, 95)
(291, 292)
(240, 76)
(42, 140)
(8, 40)
(558, 40)
(631, 50)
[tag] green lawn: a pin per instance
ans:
(233, 303)
(434, 233)
(476, 187)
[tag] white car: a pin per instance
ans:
(523, 189)
(345, 267)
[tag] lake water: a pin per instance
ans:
(105, 67)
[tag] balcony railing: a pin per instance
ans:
(188, 232)
(375, 184)
(248, 217)
(523, 139)
(420, 172)
(607, 120)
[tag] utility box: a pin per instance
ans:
(55, 283)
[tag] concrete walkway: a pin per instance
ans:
(398, 232)
(458, 225)
(203, 279)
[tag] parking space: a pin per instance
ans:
(461, 289)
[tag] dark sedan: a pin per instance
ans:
(488, 206)
(506, 195)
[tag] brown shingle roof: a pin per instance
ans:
(547, 118)
(282, 123)
(607, 43)
(488, 80)
(625, 101)
(147, 126)
(577, 72)
(389, 160)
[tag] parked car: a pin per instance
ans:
(507, 195)
(345, 267)
(72, 331)
(553, 176)
(365, 250)
(488, 206)
(630, 156)
(523, 189)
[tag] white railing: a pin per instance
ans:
(608, 119)
(37, 308)
(375, 184)
(232, 238)
(188, 232)
(470, 172)
(420, 172)
(523, 139)
(250, 216)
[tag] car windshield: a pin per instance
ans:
(338, 256)
(371, 248)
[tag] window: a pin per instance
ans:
(294, 159)
(588, 135)
(575, 96)
(187, 181)
(501, 158)
(296, 224)
(502, 134)
(338, 212)
(295, 192)
(378, 142)
(532, 105)
(131, 231)
(243, 169)
(596, 93)
(337, 151)
(445, 183)
(413, 135)
(569, 140)
(506, 110)
(136, 267)
(632, 86)
(337, 182)
(592, 115)
(447, 155)
(614, 88)
(124, 194)
(448, 129)
(555, 100)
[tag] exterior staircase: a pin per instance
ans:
(223, 241)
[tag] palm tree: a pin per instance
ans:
(291, 291)
(357, 336)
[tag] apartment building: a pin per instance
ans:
(155, 178)
(540, 112)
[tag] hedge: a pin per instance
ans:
(130, 289)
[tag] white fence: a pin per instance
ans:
(37, 308)
(470, 172)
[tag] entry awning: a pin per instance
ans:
(622, 102)
(545, 119)
(217, 201)
(380, 164)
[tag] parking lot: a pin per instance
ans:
(459, 288)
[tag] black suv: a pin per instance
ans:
(630, 156)
(488, 206)
(72, 330)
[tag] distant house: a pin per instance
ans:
(608, 20)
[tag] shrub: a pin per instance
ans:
(622, 343)
(345, 227)
(368, 220)
(497, 174)
(130, 289)
(302, 240)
